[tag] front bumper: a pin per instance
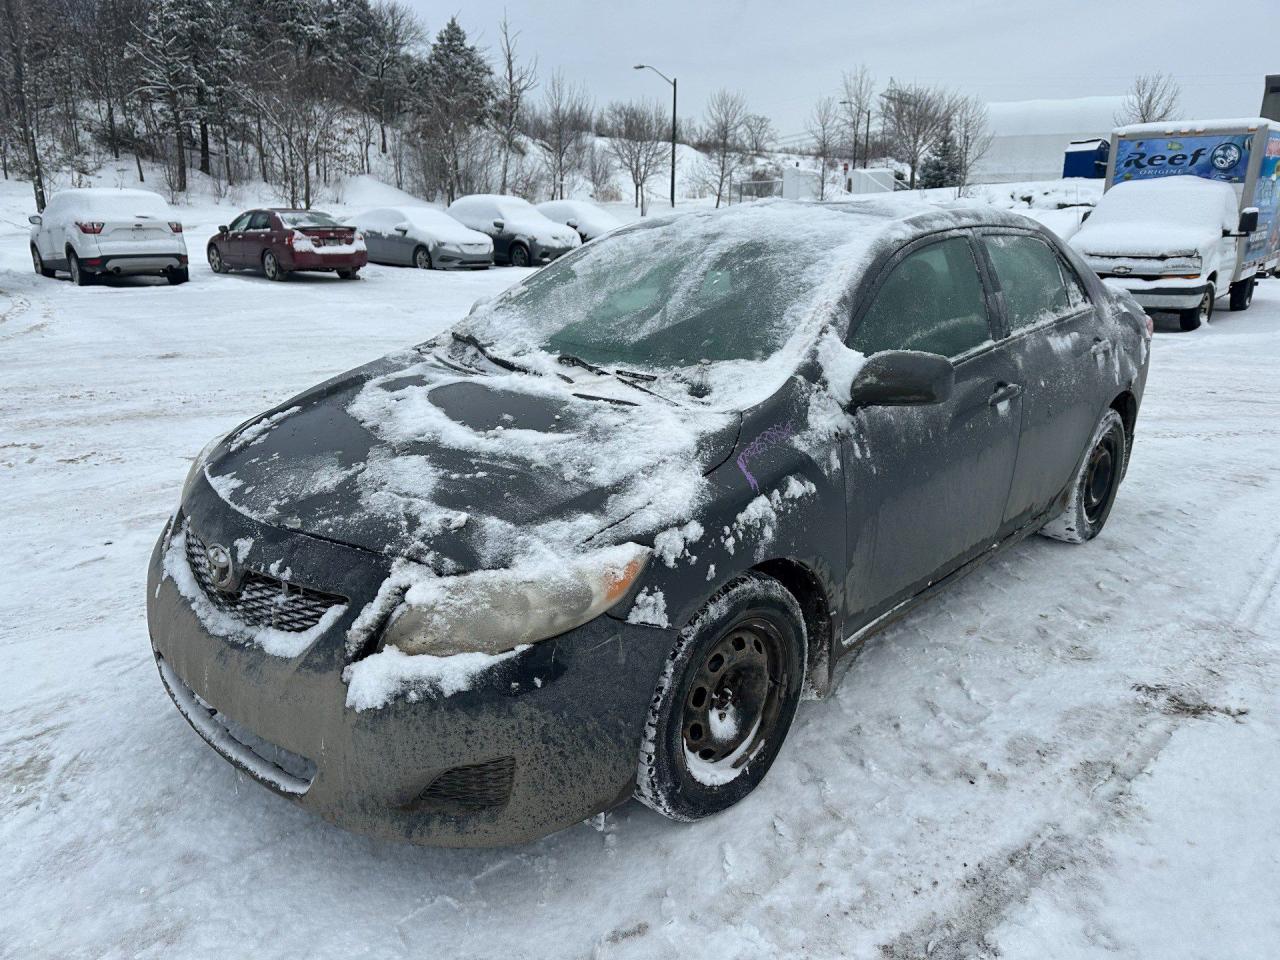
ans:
(551, 736)
(542, 253)
(448, 260)
(1163, 294)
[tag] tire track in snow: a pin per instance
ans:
(1263, 590)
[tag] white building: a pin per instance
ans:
(1031, 136)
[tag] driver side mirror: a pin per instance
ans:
(35, 219)
(498, 224)
(1248, 220)
(401, 228)
(903, 378)
(222, 229)
(571, 223)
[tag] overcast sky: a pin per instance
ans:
(784, 54)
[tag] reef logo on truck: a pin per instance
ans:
(1223, 158)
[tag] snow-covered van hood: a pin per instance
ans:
(1177, 216)
(412, 457)
(1144, 239)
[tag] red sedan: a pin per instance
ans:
(280, 242)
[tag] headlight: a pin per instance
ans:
(198, 463)
(496, 610)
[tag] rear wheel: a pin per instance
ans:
(1096, 484)
(725, 701)
(348, 274)
(271, 267)
(1202, 313)
(37, 261)
(79, 276)
(519, 255)
(422, 258)
(216, 263)
(175, 277)
(1242, 294)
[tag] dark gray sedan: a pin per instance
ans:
(599, 539)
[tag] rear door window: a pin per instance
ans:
(261, 220)
(932, 301)
(1037, 287)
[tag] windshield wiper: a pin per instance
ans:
(569, 360)
(622, 376)
(472, 341)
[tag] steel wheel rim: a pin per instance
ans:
(736, 696)
(1099, 478)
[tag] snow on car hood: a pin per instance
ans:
(462, 471)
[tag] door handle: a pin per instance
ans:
(1100, 347)
(1003, 392)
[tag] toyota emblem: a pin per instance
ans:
(221, 571)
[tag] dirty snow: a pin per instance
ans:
(378, 679)
(985, 781)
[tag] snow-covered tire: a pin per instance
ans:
(754, 628)
(1242, 294)
(37, 261)
(1191, 319)
(1096, 483)
(519, 255)
(78, 275)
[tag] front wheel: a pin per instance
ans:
(1096, 484)
(37, 261)
(725, 701)
(519, 255)
(216, 263)
(422, 258)
(271, 267)
(1242, 294)
(1201, 313)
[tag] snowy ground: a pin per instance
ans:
(1075, 752)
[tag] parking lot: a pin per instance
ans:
(1038, 762)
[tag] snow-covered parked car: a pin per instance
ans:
(282, 241)
(599, 538)
(97, 231)
(423, 237)
(521, 235)
(1172, 243)
(589, 220)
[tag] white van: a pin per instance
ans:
(96, 232)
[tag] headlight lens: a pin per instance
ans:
(493, 611)
(198, 463)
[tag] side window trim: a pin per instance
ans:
(867, 298)
(1069, 272)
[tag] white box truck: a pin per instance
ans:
(1190, 214)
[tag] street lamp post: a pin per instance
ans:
(645, 66)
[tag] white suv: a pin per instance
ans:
(102, 232)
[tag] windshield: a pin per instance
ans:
(308, 218)
(676, 292)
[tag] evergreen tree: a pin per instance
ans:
(456, 100)
(943, 166)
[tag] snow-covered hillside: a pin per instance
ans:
(1073, 753)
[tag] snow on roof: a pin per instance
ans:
(1075, 115)
(1184, 127)
(1085, 146)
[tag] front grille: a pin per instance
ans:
(469, 789)
(261, 600)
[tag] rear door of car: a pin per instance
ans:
(376, 225)
(926, 486)
(1063, 354)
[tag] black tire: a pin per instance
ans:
(271, 268)
(1096, 484)
(1242, 294)
(216, 263)
(176, 277)
(1191, 319)
(37, 262)
(348, 274)
(750, 637)
(79, 276)
(519, 255)
(422, 258)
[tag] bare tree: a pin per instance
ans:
(824, 128)
(1153, 97)
(636, 132)
(969, 126)
(913, 116)
(515, 83)
(600, 168)
(722, 135)
(559, 129)
(857, 103)
(16, 25)
(758, 134)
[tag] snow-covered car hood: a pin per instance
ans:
(1150, 239)
(544, 232)
(445, 229)
(411, 457)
